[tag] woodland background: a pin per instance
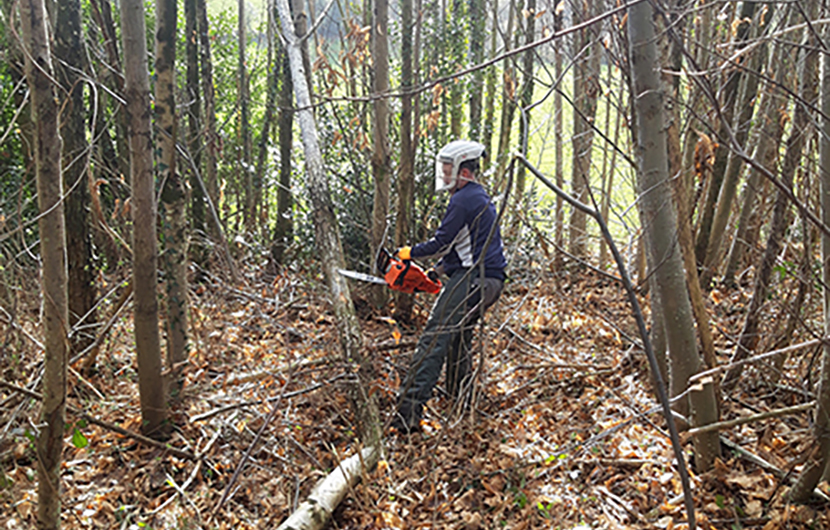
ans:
(180, 181)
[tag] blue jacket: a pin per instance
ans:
(463, 232)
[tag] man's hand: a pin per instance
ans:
(404, 253)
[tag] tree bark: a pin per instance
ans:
(69, 48)
(478, 20)
(329, 247)
(656, 204)
(730, 91)
(525, 99)
(174, 221)
(746, 106)
(194, 142)
(102, 11)
(283, 232)
(456, 49)
(818, 463)
(47, 155)
(671, 83)
(508, 102)
(792, 158)
(559, 173)
(586, 55)
(143, 208)
(211, 180)
(406, 172)
(268, 117)
(608, 190)
(490, 104)
(381, 165)
(314, 513)
(245, 170)
(769, 127)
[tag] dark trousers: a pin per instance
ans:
(447, 337)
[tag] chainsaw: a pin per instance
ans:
(399, 275)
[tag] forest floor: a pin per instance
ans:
(562, 434)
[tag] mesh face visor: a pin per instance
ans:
(450, 158)
(446, 172)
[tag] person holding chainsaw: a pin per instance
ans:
(467, 238)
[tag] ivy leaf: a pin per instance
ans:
(78, 438)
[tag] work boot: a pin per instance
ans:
(407, 419)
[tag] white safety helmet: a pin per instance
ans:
(448, 160)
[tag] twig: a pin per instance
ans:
(226, 493)
(751, 419)
(763, 464)
(125, 297)
(109, 426)
(238, 379)
(620, 502)
(393, 345)
(750, 360)
(81, 378)
(211, 413)
(18, 327)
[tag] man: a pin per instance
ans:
(462, 242)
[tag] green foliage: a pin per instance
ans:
(18, 200)
(78, 438)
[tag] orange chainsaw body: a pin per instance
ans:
(406, 276)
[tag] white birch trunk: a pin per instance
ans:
(316, 510)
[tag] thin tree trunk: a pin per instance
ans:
(174, 221)
(671, 83)
(102, 11)
(212, 181)
(746, 106)
(730, 91)
(769, 127)
(478, 20)
(526, 99)
(69, 48)
(796, 304)
(609, 183)
(792, 158)
(490, 104)
(283, 232)
(653, 172)
(658, 324)
(194, 140)
(559, 172)
(143, 207)
(586, 94)
(47, 151)
(329, 247)
(381, 165)
(820, 455)
(267, 119)
(406, 172)
(508, 102)
(456, 51)
(105, 169)
(247, 194)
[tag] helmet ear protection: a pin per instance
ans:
(449, 159)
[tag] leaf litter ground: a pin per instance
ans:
(560, 435)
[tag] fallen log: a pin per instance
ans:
(314, 512)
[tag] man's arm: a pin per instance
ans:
(453, 222)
